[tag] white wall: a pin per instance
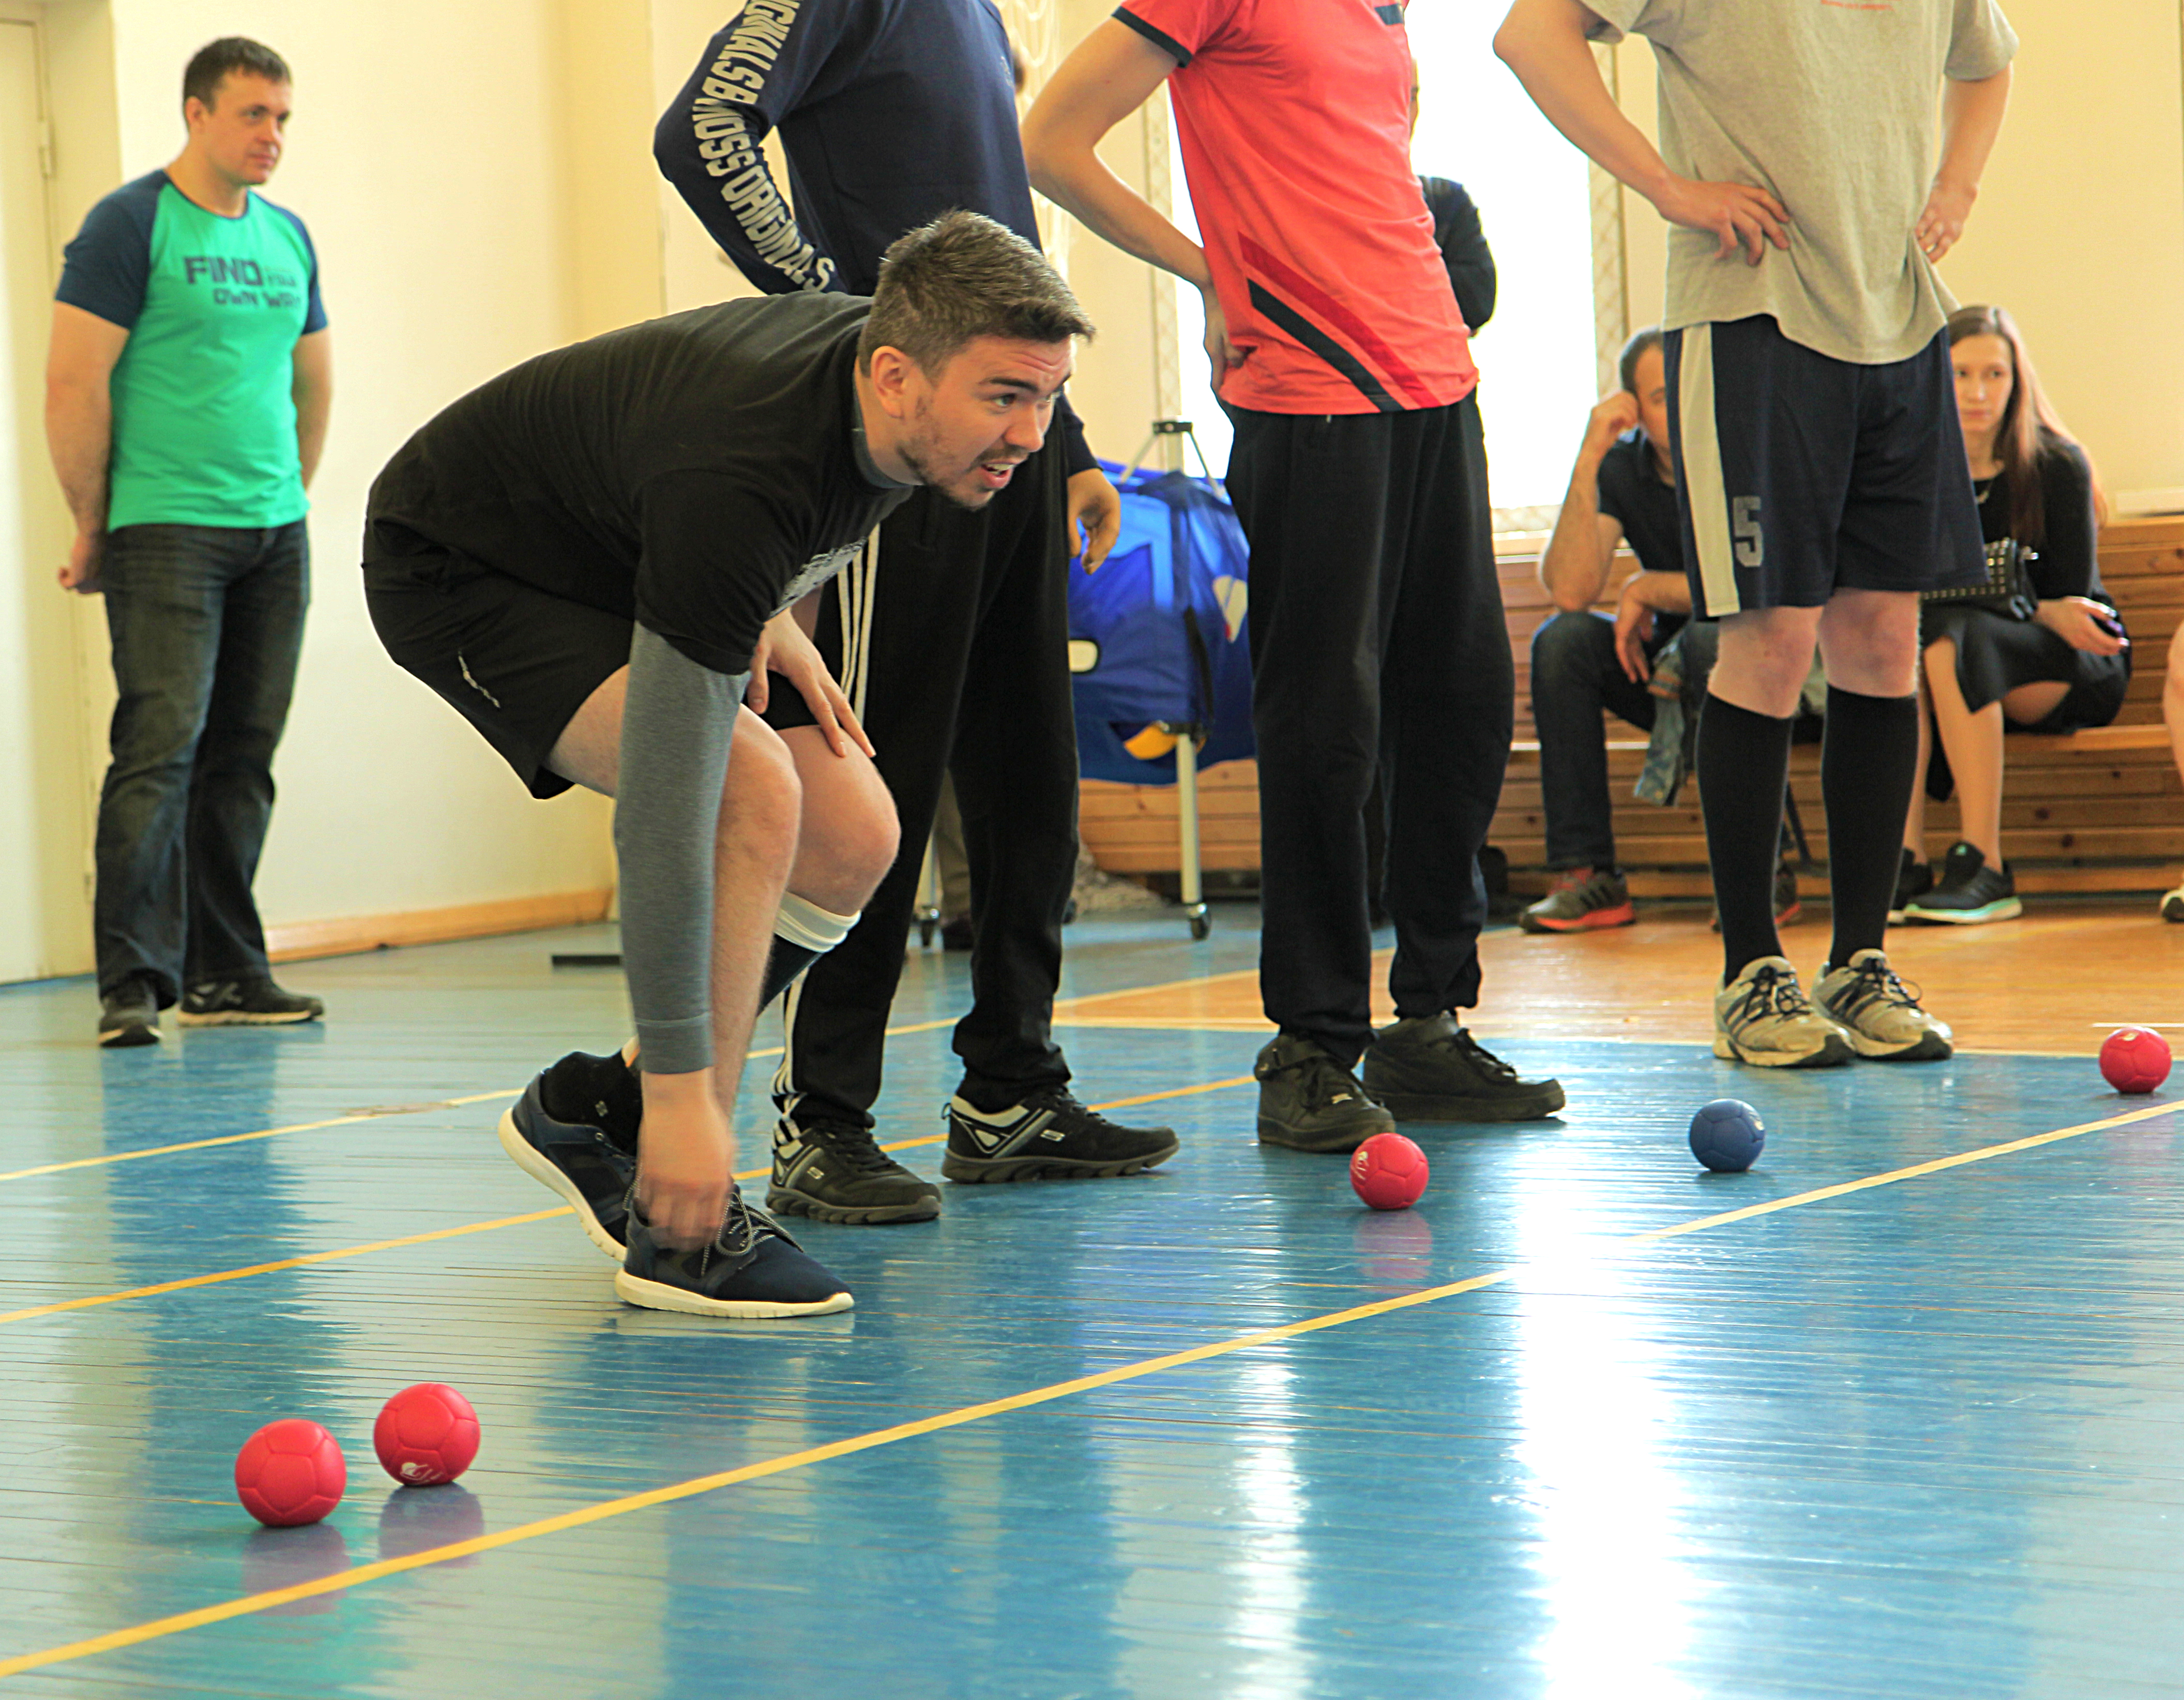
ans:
(429, 157)
(2079, 230)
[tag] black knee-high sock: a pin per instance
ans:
(1743, 763)
(1867, 763)
(604, 1092)
(586, 1091)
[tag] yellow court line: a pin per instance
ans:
(262, 1133)
(91, 1300)
(351, 1121)
(159, 1628)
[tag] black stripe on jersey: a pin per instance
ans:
(1282, 314)
(1168, 44)
(1388, 14)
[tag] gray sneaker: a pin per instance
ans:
(1584, 900)
(1880, 1012)
(1763, 1017)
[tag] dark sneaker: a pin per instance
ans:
(129, 1015)
(1048, 1136)
(1968, 892)
(1584, 900)
(1310, 1102)
(1429, 1068)
(245, 1003)
(1914, 878)
(1880, 1012)
(752, 1269)
(584, 1161)
(836, 1172)
(1763, 1017)
(1789, 910)
(2172, 905)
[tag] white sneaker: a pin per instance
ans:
(2172, 905)
(1763, 1017)
(1880, 1012)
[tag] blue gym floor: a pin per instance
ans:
(1586, 1422)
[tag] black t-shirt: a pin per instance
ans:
(2066, 563)
(697, 473)
(1631, 491)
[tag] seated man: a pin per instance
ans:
(1623, 487)
(2172, 714)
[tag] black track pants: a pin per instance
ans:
(1377, 642)
(951, 638)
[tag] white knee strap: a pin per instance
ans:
(804, 923)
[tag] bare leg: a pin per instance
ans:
(2172, 700)
(687, 1148)
(1974, 742)
(849, 835)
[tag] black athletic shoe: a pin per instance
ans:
(1048, 1136)
(1913, 879)
(1968, 892)
(752, 1269)
(584, 1164)
(129, 1015)
(1310, 1102)
(245, 1003)
(1429, 1068)
(836, 1172)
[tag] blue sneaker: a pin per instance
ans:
(751, 1270)
(583, 1163)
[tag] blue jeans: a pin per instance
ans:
(1575, 675)
(207, 623)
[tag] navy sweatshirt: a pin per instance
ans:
(891, 112)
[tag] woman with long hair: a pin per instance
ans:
(2065, 667)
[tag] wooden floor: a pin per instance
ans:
(1899, 1412)
(2096, 966)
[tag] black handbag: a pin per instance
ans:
(2007, 589)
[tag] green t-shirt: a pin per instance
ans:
(204, 419)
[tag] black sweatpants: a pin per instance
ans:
(1377, 643)
(951, 638)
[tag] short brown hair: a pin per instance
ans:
(962, 277)
(212, 64)
(1626, 368)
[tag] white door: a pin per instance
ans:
(45, 905)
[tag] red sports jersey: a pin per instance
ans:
(1295, 119)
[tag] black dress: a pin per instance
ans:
(1995, 654)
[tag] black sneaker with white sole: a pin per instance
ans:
(836, 1172)
(129, 1015)
(1048, 1136)
(586, 1164)
(245, 1003)
(751, 1270)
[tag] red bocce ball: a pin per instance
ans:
(290, 1472)
(426, 1434)
(2135, 1060)
(1389, 1172)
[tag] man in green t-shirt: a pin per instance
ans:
(187, 390)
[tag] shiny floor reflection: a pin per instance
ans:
(1918, 1439)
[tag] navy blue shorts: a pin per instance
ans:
(1799, 474)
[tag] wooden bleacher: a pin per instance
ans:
(2095, 811)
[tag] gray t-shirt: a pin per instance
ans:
(1830, 107)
